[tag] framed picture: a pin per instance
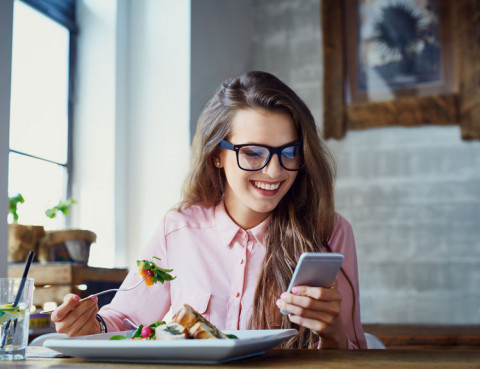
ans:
(401, 62)
(397, 49)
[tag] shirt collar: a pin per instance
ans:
(228, 229)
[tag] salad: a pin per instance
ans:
(142, 332)
(186, 324)
(153, 273)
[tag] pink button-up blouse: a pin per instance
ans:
(216, 264)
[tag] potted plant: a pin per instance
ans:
(52, 245)
(21, 238)
(66, 244)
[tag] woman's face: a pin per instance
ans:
(251, 196)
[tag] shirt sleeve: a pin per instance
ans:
(343, 241)
(144, 304)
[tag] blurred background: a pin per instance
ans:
(143, 69)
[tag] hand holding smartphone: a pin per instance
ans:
(315, 269)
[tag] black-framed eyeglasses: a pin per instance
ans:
(256, 157)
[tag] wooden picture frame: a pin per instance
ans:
(457, 101)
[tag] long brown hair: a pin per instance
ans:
(303, 220)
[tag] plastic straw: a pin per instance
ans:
(19, 293)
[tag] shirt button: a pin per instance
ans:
(237, 294)
(241, 261)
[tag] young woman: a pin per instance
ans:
(259, 194)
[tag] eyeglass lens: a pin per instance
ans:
(253, 157)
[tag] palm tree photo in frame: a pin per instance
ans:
(401, 62)
(401, 48)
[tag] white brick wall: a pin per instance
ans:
(413, 197)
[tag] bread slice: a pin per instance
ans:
(196, 325)
(171, 331)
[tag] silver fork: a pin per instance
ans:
(103, 292)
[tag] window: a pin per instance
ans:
(39, 159)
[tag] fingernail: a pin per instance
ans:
(94, 298)
(75, 298)
(283, 296)
(295, 290)
(278, 302)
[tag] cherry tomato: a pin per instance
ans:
(148, 273)
(149, 281)
(147, 332)
(145, 272)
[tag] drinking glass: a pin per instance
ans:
(14, 320)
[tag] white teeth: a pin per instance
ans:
(266, 186)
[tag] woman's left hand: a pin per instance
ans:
(318, 309)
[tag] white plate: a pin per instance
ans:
(98, 347)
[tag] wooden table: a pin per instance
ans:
(299, 359)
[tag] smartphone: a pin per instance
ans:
(315, 269)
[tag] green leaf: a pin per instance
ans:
(138, 332)
(232, 336)
(51, 213)
(62, 206)
(13, 205)
(118, 337)
(156, 324)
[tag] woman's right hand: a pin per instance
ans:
(76, 318)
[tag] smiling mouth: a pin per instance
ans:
(267, 186)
